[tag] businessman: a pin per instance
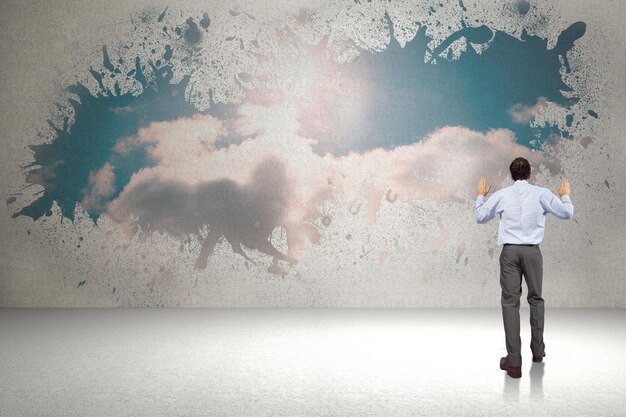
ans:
(522, 208)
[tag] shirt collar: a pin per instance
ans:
(521, 182)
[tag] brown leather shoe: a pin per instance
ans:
(512, 371)
(538, 358)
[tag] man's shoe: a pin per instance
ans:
(538, 358)
(512, 371)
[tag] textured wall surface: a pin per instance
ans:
(303, 153)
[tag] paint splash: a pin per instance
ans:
(379, 101)
(63, 166)
(397, 96)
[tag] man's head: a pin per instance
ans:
(520, 169)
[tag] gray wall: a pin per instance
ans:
(346, 229)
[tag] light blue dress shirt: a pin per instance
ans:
(522, 208)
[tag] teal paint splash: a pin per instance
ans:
(523, 6)
(63, 166)
(411, 97)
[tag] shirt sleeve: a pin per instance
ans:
(559, 207)
(485, 210)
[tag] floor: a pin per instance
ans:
(305, 362)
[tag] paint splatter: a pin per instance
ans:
(475, 91)
(205, 22)
(585, 141)
(523, 6)
(91, 164)
(192, 34)
(566, 41)
(162, 15)
(63, 167)
(459, 251)
(169, 53)
(382, 257)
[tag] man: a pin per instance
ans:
(522, 208)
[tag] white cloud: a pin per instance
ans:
(101, 186)
(246, 190)
(541, 112)
(446, 165)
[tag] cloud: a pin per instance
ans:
(121, 110)
(244, 214)
(243, 192)
(443, 167)
(174, 143)
(543, 109)
(101, 187)
(446, 165)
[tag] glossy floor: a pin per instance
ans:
(305, 362)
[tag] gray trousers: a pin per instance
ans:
(515, 261)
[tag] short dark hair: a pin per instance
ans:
(520, 169)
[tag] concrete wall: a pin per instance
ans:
(303, 153)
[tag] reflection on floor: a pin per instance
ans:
(305, 362)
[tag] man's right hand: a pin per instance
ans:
(563, 189)
(483, 188)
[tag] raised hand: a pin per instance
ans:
(483, 188)
(563, 189)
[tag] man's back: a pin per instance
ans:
(522, 208)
